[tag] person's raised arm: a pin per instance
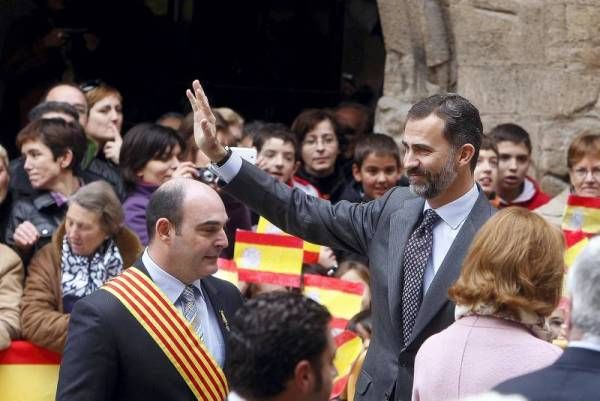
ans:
(205, 131)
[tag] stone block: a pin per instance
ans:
(583, 22)
(491, 89)
(499, 32)
(555, 91)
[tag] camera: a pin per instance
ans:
(206, 175)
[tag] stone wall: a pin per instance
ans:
(532, 62)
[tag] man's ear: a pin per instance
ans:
(304, 377)
(66, 159)
(163, 229)
(356, 172)
(466, 154)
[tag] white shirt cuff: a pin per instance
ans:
(229, 170)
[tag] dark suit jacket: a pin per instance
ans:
(574, 376)
(378, 229)
(110, 356)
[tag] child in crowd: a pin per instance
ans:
(514, 187)
(486, 171)
(376, 168)
(277, 154)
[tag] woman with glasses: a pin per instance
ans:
(583, 161)
(319, 138)
(149, 157)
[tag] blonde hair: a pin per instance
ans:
(4, 157)
(230, 116)
(515, 262)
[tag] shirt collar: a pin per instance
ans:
(171, 286)
(455, 212)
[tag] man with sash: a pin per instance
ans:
(158, 331)
(281, 349)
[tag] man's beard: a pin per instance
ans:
(435, 183)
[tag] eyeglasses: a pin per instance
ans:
(90, 85)
(582, 172)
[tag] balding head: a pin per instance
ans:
(186, 221)
(72, 95)
(168, 201)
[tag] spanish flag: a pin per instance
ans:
(349, 346)
(311, 251)
(268, 258)
(28, 372)
(342, 298)
(227, 271)
(581, 220)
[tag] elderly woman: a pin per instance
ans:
(52, 150)
(510, 282)
(583, 161)
(90, 247)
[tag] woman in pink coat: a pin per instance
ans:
(510, 282)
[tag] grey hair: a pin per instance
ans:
(584, 286)
(100, 198)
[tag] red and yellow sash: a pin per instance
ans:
(172, 333)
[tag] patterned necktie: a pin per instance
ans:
(417, 251)
(190, 309)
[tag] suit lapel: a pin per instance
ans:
(212, 292)
(401, 226)
(447, 274)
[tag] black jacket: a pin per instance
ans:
(97, 169)
(573, 377)
(41, 209)
(110, 356)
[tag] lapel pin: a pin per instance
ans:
(224, 319)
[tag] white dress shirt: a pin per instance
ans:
(173, 288)
(452, 217)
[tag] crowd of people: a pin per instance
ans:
(458, 297)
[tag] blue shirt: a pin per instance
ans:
(173, 288)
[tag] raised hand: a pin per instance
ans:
(112, 149)
(205, 130)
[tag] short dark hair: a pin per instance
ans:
(166, 202)
(488, 143)
(58, 135)
(285, 135)
(142, 143)
(309, 119)
(462, 123)
(52, 107)
(512, 133)
(269, 336)
(379, 144)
